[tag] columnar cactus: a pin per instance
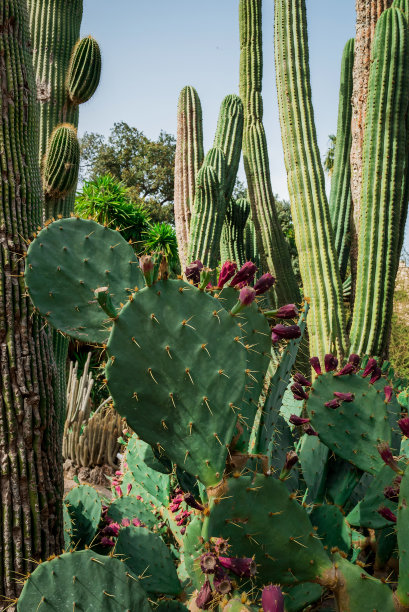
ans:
(31, 487)
(384, 164)
(232, 241)
(272, 246)
(189, 158)
(340, 200)
(306, 184)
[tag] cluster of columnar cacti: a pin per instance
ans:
(216, 492)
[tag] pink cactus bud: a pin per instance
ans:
(300, 379)
(376, 374)
(264, 283)
(285, 332)
(118, 491)
(190, 501)
(298, 392)
(272, 599)
(309, 430)
(392, 493)
(349, 368)
(387, 514)
(247, 296)
(335, 403)
(114, 482)
(125, 522)
(112, 529)
(183, 530)
(136, 522)
(344, 397)
(208, 563)
(388, 393)
(107, 542)
(129, 488)
(296, 420)
(404, 426)
(315, 363)
(387, 456)
(119, 473)
(354, 359)
(290, 311)
(192, 272)
(245, 566)
(205, 596)
(245, 274)
(330, 363)
(291, 459)
(370, 367)
(226, 273)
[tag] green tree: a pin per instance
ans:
(144, 166)
(330, 155)
(284, 216)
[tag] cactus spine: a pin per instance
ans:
(31, 487)
(232, 242)
(272, 245)
(306, 185)
(189, 158)
(383, 170)
(340, 198)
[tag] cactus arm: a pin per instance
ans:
(383, 167)
(310, 211)
(228, 138)
(188, 160)
(232, 241)
(340, 201)
(273, 249)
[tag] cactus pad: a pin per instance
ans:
(172, 377)
(130, 507)
(147, 556)
(82, 580)
(403, 540)
(76, 256)
(85, 508)
(332, 527)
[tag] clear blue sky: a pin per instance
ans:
(153, 48)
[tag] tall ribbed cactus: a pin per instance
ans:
(31, 472)
(67, 72)
(384, 163)
(306, 184)
(189, 158)
(340, 198)
(272, 245)
(228, 138)
(232, 241)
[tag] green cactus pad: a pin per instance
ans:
(403, 540)
(342, 478)
(82, 580)
(354, 429)
(147, 482)
(67, 527)
(170, 605)
(313, 457)
(193, 547)
(299, 596)
(130, 507)
(261, 519)
(332, 527)
(148, 557)
(172, 377)
(61, 162)
(76, 256)
(365, 513)
(84, 70)
(85, 508)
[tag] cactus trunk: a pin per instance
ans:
(306, 185)
(384, 163)
(31, 487)
(272, 246)
(232, 243)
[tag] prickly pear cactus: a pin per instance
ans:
(84, 509)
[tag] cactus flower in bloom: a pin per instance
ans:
(205, 596)
(344, 397)
(335, 403)
(192, 272)
(315, 364)
(264, 283)
(208, 563)
(226, 273)
(301, 380)
(241, 566)
(388, 393)
(404, 426)
(272, 599)
(387, 514)
(296, 420)
(298, 392)
(245, 274)
(387, 456)
(285, 332)
(370, 367)
(289, 311)
(330, 363)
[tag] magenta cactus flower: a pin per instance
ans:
(296, 420)
(300, 379)
(315, 364)
(344, 397)
(370, 367)
(298, 392)
(330, 363)
(404, 426)
(264, 283)
(245, 274)
(226, 273)
(192, 272)
(387, 514)
(289, 311)
(285, 332)
(118, 491)
(241, 566)
(272, 599)
(205, 596)
(247, 295)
